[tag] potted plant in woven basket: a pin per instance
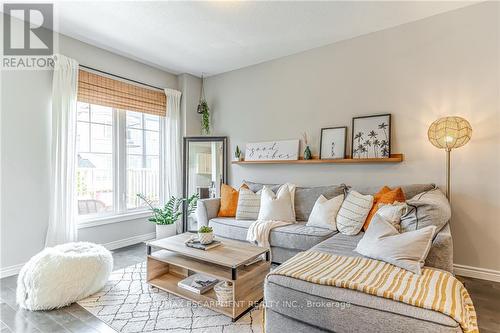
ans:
(165, 218)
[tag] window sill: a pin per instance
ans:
(104, 220)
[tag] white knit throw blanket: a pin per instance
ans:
(258, 232)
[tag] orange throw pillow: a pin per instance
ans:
(228, 201)
(384, 196)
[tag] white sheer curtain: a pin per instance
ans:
(172, 139)
(62, 218)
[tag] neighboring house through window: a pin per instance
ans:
(143, 158)
(94, 176)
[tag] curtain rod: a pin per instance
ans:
(121, 77)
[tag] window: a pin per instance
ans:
(118, 157)
(119, 131)
(143, 158)
(94, 174)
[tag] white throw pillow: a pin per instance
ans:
(279, 206)
(407, 250)
(324, 212)
(248, 205)
(392, 213)
(353, 212)
(291, 188)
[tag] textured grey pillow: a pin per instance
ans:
(407, 250)
(409, 190)
(413, 189)
(424, 209)
(256, 187)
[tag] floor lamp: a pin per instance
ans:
(449, 133)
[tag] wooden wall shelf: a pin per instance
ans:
(395, 158)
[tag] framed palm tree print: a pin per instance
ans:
(371, 136)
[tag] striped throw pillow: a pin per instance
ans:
(353, 213)
(248, 205)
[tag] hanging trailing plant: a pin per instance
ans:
(204, 110)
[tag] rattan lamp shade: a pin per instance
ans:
(449, 132)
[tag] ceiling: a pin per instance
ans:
(216, 36)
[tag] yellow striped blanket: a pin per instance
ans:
(434, 289)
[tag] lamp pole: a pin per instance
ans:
(448, 170)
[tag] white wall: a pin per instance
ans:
(442, 65)
(25, 151)
(25, 164)
(190, 86)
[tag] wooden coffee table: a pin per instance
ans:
(175, 261)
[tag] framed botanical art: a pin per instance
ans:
(332, 143)
(371, 136)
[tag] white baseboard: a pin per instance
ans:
(477, 272)
(14, 269)
(10, 270)
(129, 241)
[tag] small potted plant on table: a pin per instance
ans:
(205, 235)
(165, 218)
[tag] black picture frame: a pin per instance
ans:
(185, 164)
(384, 153)
(321, 142)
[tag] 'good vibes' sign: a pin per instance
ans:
(283, 150)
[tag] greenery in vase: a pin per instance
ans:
(205, 230)
(307, 153)
(237, 153)
(172, 211)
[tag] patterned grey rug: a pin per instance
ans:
(128, 304)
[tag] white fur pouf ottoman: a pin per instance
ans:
(61, 275)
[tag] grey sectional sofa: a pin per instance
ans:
(300, 306)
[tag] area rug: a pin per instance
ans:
(128, 304)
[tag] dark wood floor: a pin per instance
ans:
(486, 298)
(485, 294)
(73, 318)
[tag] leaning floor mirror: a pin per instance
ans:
(205, 169)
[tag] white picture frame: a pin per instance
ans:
(333, 142)
(282, 150)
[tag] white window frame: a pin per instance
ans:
(119, 166)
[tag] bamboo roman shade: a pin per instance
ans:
(105, 91)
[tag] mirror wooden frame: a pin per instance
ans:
(185, 173)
